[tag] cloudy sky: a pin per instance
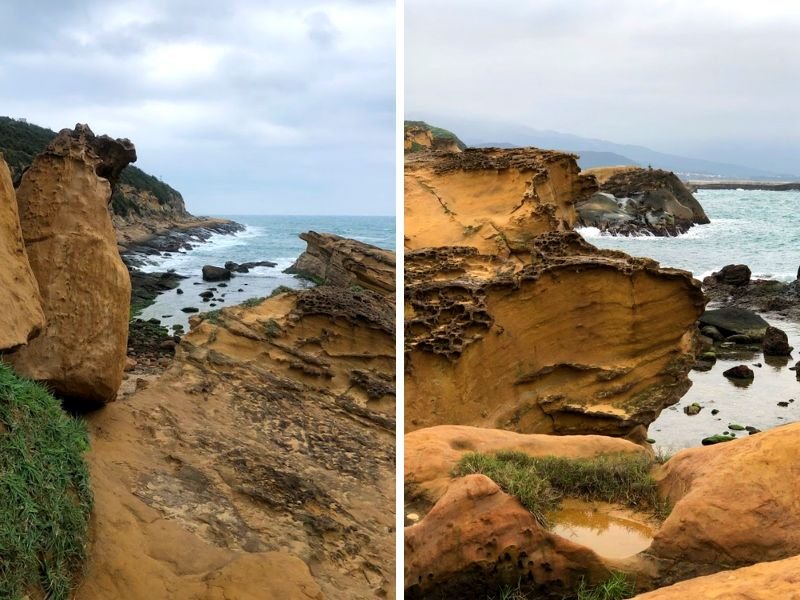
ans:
(714, 79)
(245, 106)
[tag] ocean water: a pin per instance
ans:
(272, 238)
(758, 228)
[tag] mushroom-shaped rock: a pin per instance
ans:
(85, 287)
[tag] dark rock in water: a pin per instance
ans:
(712, 332)
(207, 294)
(714, 411)
(751, 430)
(146, 286)
(154, 321)
(736, 275)
(245, 267)
(206, 299)
(776, 343)
(240, 290)
(758, 365)
(212, 273)
(739, 372)
(732, 320)
(715, 439)
(633, 200)
(739, 339)
(692, 409)
(703, 366)
(190, 309)
(224, 284)
(213, 304)
(783, 404)
(736, 427)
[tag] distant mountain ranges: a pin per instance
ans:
(597, 153)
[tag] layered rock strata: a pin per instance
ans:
(85, 288)
(333, 260)
(22, 318)
(494, 200)
(267, 448)
(633, 200)
(578, 340)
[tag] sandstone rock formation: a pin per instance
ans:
(333, 260)
(633, 200)
(478, 538)
(22, 317)
(261, 464)
(763, 581)
(710, 530)
(432, 453)
(85, 288)
(421, 136)
(494, 200)
(579, 340)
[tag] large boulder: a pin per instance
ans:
(22, 317)
(735, 504)
(736, 321)
(735, 275)
(85, 288)
(478, 538)
(333, 260)
(633, 200)
(212, 273)
(763, 581)
(776, 342)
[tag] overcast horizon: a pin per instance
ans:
(247, 107)
(704, 79)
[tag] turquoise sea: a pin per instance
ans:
(266, 237)
(758, 228)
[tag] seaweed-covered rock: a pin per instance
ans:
(776, 342)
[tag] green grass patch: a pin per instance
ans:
(251, 302)
(45, 496)
(616, 587)
(540, 482)
(281, 289)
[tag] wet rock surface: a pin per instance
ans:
(635, 201)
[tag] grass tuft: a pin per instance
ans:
(617, 587)
(45, 496)
(540, 482)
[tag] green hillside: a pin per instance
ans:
(21, 141)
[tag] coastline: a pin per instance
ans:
(781, 186)
(169, 236)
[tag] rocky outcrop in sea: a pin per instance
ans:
(638, 201)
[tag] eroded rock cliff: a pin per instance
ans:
(514, 321)
(494, 200)
(22, 318)
(418, 136)
(267, 448)
(85, 288)
(333, 260)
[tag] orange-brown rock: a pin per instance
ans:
(576, 341)
(419, 136)
(22, 318)
(85, 288)
(333, 260)
(735, 504)
(490, 199)
(478, 538)
(778, 580)
(267, 449)
(432, 453)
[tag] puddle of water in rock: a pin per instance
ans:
(611, 531)
(741, 403)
